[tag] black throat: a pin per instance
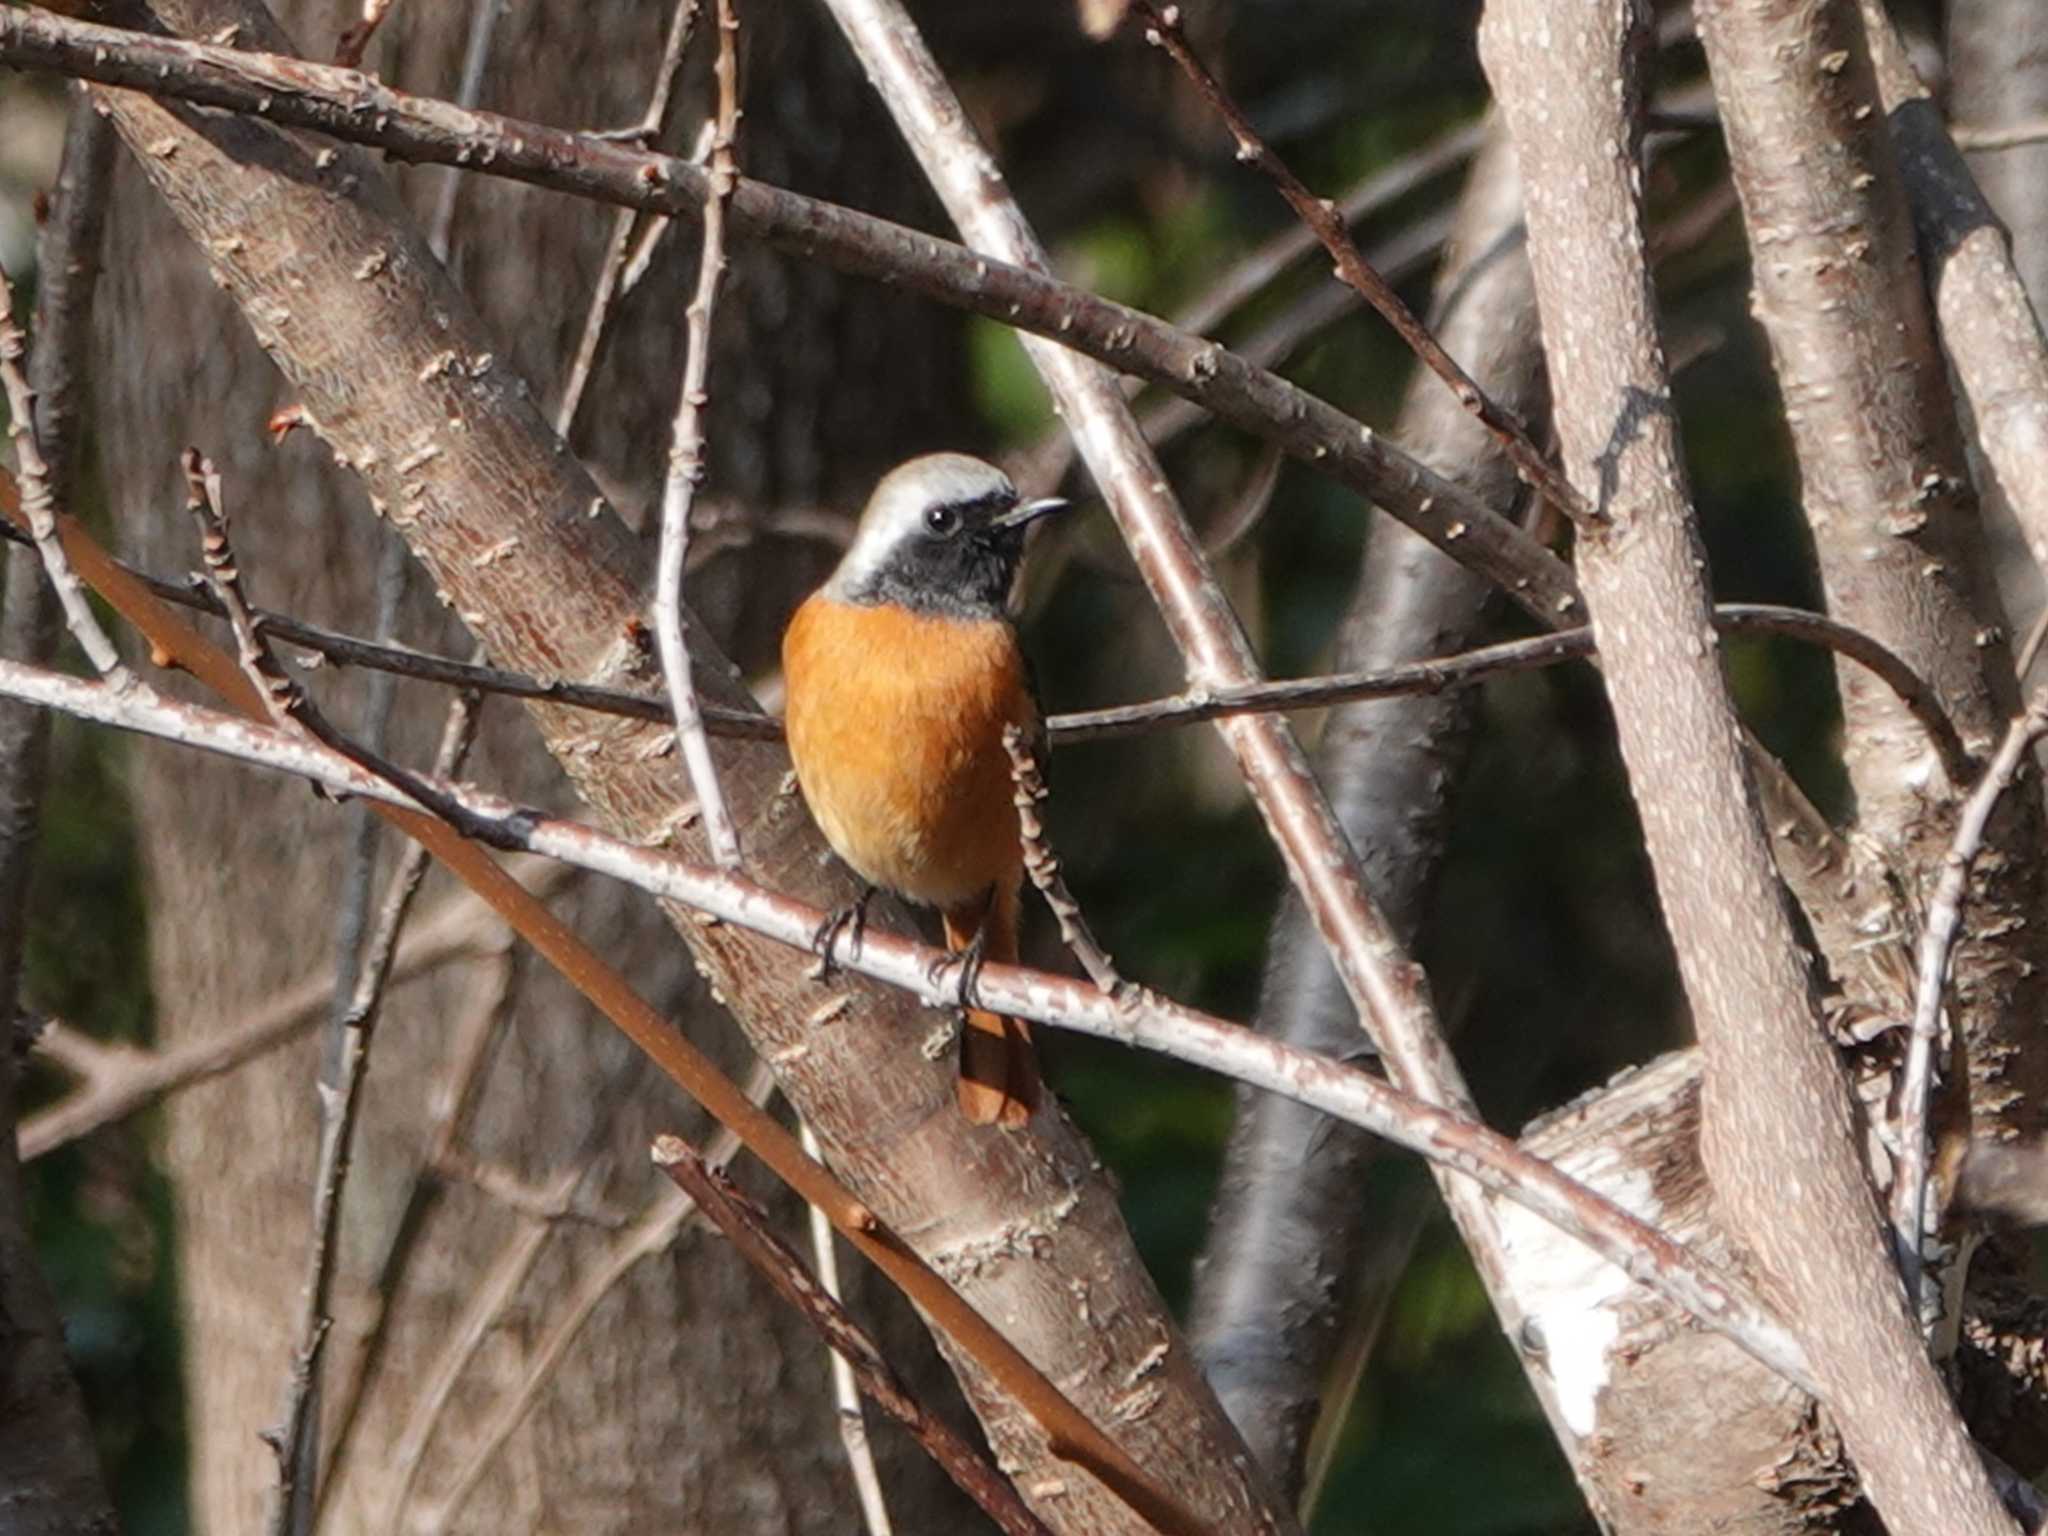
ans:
(968, 577)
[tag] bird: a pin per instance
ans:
(900, 675)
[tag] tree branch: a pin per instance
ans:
(746, 1225)
(49, 1464)
(686, 460)
(1145, 1020)
(1779, 1136)
(356, 108)
(1163, 30)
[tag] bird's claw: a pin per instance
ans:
(850, 919)
(969, 962)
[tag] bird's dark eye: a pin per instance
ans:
(942, 520)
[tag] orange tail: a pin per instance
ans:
(999, 1083)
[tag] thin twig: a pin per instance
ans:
(1153, 1023)
(1246, 277)
(476, 55)
(355, 38)
(1937, 940)
(1112, 722)
(686, 463)
(68, 261)
(295, 1439)
(1163, 30)
(746, 1226)
(54, 1478)
(38, 503)
(1043, 866)
(122, 1080)
(452, 1106)
(853, 1424)
(654, 1232)
(1988, 136)
(354, 107)
(603, 297)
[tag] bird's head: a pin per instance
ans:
(942, 534)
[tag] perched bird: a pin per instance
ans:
(901, 673)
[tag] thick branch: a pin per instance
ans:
(358, 109)
(394, 369)
(1138, 1017)
(1779, 1136)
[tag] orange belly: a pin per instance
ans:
(895, 724)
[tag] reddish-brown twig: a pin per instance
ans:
(686, 462)
(1163, 30)
(1150, 1022)
(354, 107)
(746, 1226)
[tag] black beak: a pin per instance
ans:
(1026, 513)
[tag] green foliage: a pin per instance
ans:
(100, 1212)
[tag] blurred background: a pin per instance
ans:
(1543, 943)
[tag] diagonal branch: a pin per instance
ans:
(1321, 216)
(1145, 1020)
(746, 1226)
(361, 110)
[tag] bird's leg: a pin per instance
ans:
(969, 957)
(853, 918)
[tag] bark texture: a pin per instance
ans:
(675, 1406)
(1273, 1282)
(244, 878)
(1779, 1135)
(1998, 73)
(1839, 290)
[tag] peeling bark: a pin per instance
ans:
(1779, 1135)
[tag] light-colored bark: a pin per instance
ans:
(1998, 73)
(1839, 290)
(1271, 1287)
(1779, 1135)
(401, 380)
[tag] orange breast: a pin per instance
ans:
(895, 724)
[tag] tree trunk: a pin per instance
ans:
(687, 1399)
